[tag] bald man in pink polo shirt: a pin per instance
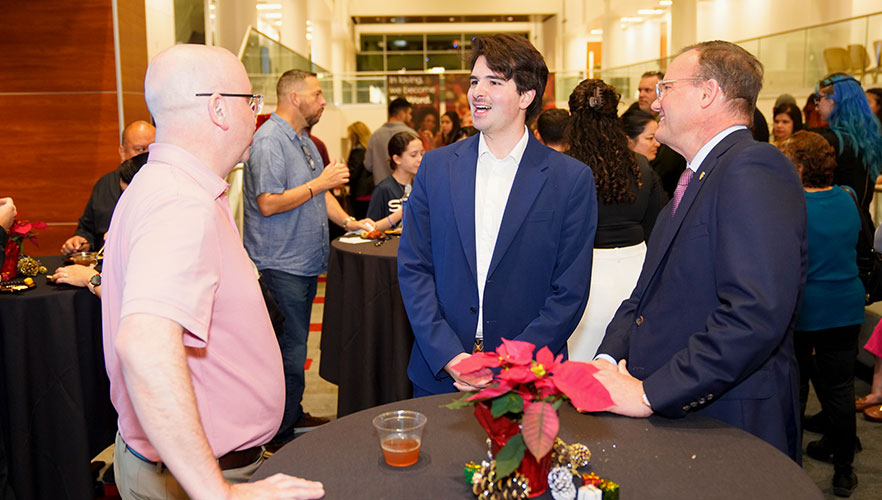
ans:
(194, 365)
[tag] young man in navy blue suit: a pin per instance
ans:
(498, 230)
(709, 326)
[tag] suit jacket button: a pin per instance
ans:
(710, 396)
(639, 320)
(702, 401)
(686, 408)
(473, 310)
(693, 404)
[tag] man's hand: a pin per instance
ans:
(278, 486)
(462, 383)
(335, 174)
(625, 390)
(75, 244)
(363, 224)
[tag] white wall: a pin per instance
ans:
(160, 25)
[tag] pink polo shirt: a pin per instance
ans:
(173, 251)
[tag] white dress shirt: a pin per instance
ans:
(493, 180)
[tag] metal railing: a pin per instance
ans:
(794, 59)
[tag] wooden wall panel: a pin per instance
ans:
(57, 46)
(55, 152)
(58, 104)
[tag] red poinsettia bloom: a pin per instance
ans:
(516, 352)
(25, 229)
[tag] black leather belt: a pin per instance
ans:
(232, 460)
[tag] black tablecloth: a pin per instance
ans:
(54, 392)
(366, 337)
(694, 457)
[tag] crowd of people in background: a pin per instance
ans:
(653, 152)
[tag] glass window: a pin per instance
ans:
(405, 42)
(413, 62)
(369, 62)
(446, 61)
(443, 42)
(370, 43)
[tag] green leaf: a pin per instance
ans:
(509, 457)
(539, 427)
(556, 404)
(506, 403)
(460, 403)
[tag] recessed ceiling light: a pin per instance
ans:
(269, 6)
(596, 32)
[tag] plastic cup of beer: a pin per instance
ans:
(400, 434)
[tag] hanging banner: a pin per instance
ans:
(421, 91)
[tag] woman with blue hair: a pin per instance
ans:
(854, 132)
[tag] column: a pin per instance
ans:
(233, 18)
(684, 24)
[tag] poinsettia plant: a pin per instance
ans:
(22, 229)
(528, 391)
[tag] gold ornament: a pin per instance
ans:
(28, 266)
(579, 454)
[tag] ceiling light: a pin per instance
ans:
(665, 3)
(269, 6)
(271, 15)
(597, 32)
(650, 12)
(632, 19)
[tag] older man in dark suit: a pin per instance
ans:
(709, 326)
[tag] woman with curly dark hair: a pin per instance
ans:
(629, 197)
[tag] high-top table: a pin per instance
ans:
(366, 336)
(55, 410)
(693, 457)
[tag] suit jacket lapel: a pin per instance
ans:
(531, 176)
(672, 225)
(463, 164)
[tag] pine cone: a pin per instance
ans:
(580, 455)
(28, 266)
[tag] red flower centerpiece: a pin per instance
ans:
(518, 409)
(20, 230)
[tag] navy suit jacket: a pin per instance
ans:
(539, 274)
(709, 326)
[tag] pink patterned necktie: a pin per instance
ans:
(685, 177)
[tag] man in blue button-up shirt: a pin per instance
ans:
(287, 207)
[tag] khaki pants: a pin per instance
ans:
(139, 480)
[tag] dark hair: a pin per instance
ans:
(552, 124)
(813, 156)
(634, 122)
(397, 105)
(513, 56)
(657, 74)
(791, 110)
(289, 78)
(597, 139)
(420, 117)
(397, 144)
(876, 91)
(130, 167)
(465, 132)
(454, 118)
(739, 73)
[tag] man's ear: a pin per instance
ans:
(710, 91)
(122, 154)
(217, 111)
(527, 98)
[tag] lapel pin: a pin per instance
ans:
(701, 176)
